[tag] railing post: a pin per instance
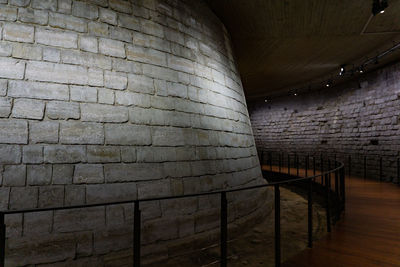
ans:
(288, 163)
(277, 226)
(297, 164)
(343, 188)
(136, 235)
(270, 161)
(365, 167)
(398, 171)
(306, 167)
(380, 170)
(349, 165)
(2, 240)
(322, 170)
(336, 179)
(328, 208)
(224, 229)
(314, 168)
(310, 214)
(280, 162)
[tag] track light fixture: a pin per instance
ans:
(342, 70)
(328, 83)
(378, 6)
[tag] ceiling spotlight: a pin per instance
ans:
(266, 100)
(328, 83)
(378, 6)
(342, 70)
(295, 94)
(361, 69)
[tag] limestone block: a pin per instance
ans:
(37, 223)
(103, 154)
(10, 154)
(125, 134)
(86, 59)
(14, 175)
(106, 96)
(4, 196)
(57, 110)
(160, 229)
(95, 77)
(156, 154)
(45, 4)
(64, 6)
(103, 113)
(62, 174)
(168, 136)
(84, 10)
(38, 90)
(13, 132)
(64, 154)
(162, 73)
(178, 169)
(88, 174)
(115, 80)
(120, 6)
(146, 55)
(39, 174)
(128, 154)
(51, 54)
(52, 72)
(121, 34)
(27, 52)
(74, 195)
(11, 68)
(51, 196)
(180, 64)
(5, 49)
(108, 16)
(32, 154)
(88, 43)
(98, 29)
(79, 219)
(43, 132)
(8, 13)
(81, 133)
(130, 98)
(18, 33)
(140, 84)
(112, 48)
(5, 107)
(23, 197)
(56, 38)
(83, 93)
(67, 22)
(126, 66)
(103, 193)
(132, 172)
(28, 109)
(152, 28)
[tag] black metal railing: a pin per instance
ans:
(319, 177)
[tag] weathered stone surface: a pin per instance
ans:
(32, 154)
(140, 84)
(103, 113)
(83, 93)
(28, 15)
(18, 33)
(132, 172)
(14, 175)
(121, 6)
(56, 38)
(67, 22)
(39, 174)
(5, 107)
(57, 110)
(79, 219)
(8, 13)
(64, 154)
(112, 48)
(11, 68)
(127, 135)
(23, 197)
(103, 154)
(115, 80)
(81, 133)
(88, 174)
(43, 132)
(108, 16)
(37, 223)
(28, 109)
(51, 54)
(75, 195)
(84, 10)
(62, 174)
(89, 44)
(13, 132)
(10, 154)
(38, 90)
(146, 55)
(45, 4)
(25, 51)
(103, 193)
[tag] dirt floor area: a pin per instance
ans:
(256, 246)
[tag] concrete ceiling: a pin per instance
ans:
(283, 44)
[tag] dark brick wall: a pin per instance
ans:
(356, 118)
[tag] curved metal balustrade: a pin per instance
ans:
(321, 173)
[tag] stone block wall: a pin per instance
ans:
(109, 100)
(359, 118)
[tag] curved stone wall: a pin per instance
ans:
(109, 100)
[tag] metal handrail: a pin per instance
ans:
(338, 170)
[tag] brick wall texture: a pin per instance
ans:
(357, 119)
(108, 100)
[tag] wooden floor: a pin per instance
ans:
(367, 235)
